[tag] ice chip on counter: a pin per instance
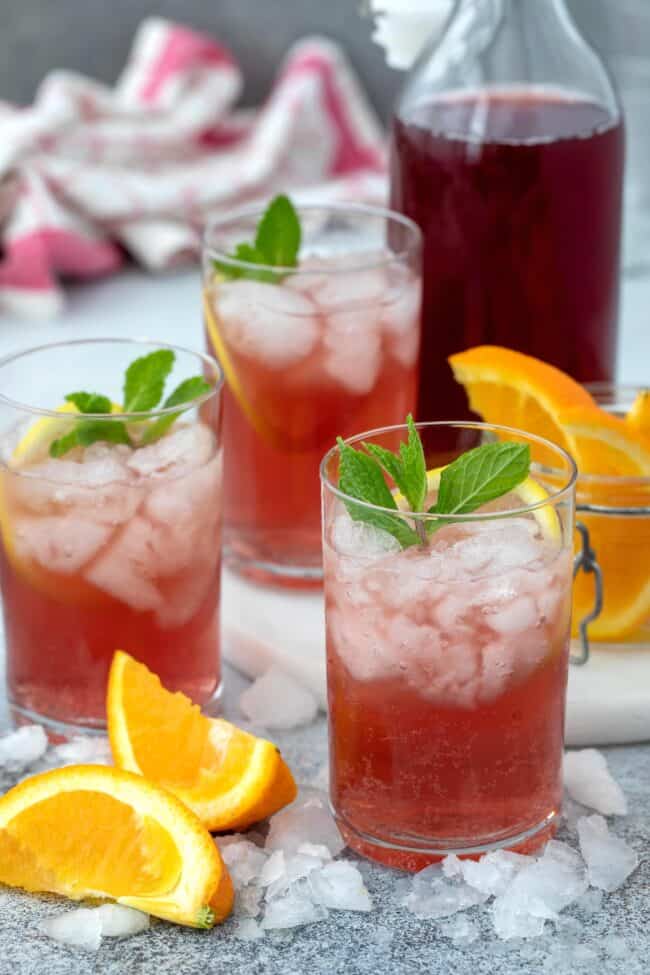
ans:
(460, 929)
(81, 928)
(248, 902)
(277, 701)
(305, 821)
(493, 873)
(315, 850)
(22, 747)
(274, 869)
(292, 911)
(295, 868)
(247, 929)
(609, 859)
(590, 903)
(435, 895)
(83, 751)
(245, 862)
(588, 781)
(510, 922)
(339, 886)
(118, 921)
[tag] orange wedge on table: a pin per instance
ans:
(229, 778)
(508, 387)
(90, 831)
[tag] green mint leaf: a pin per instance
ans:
(249, 254)
(278, 234)
(481, 475)
(90, 402)
(188, 390)
(414, 468)
(87, 432)
(360, 476)
(391, 464)
(145, 379)
(205, 917)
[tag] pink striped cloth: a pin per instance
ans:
(92, 175)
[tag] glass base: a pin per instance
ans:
(275, 573)
(59, 731)
(403, 856)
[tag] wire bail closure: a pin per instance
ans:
(587, 562)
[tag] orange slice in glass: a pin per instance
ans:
(90, 831)
(229, 778)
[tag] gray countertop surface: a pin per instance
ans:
(389, 939)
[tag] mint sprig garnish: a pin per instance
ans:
(472, 480)
(276, 244)
(144, 385)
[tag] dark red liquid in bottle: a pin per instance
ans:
(518, 194)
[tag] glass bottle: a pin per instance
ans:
(508, 150)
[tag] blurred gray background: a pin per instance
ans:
(93, 36)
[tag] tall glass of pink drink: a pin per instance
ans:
(106, 547)
(330, 348)
(447, 663)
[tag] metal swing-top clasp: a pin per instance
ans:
(586, 561)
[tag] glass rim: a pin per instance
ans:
(203, 357)
(358, 209)
(553, 498)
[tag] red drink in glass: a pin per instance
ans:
(518, 194)
(111, 548)
(447, 671)
(331, 348)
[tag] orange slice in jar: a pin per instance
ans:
(638, 416)
(229, 778)
(90, 831)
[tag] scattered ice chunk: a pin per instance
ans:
(269, 322)
(276, 700)
(81, 928)
(121, 922)
(83, 751)
(247, 929)
(245, 862)
(189, 445)
(588, 780)
(360, 540)
(321, 779)
(305, 821)
(248, 902)
(126, 569)
(315, 850)
(274, 869)
(509, 922)
(436, 896)
(60, 543)
(382, 936)
(609, 859)
(292, 911)
(460, 929)
(22, 747)
(492, 874)
(250, 837)
(296, 867)
(339, 885)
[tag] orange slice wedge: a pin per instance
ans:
(90, 831)
(229, 778)
(638, 417)
(518, 390)
(604, 444)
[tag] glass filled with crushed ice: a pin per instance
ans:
(110, 520)
(447, 655)
(323, 341)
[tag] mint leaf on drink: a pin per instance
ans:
(145, 380)
(144, 385)
(473, 479)
(188, 390)
(278, 234)
(277, 244)
(360, 476)
(90, 402)
(481, 475)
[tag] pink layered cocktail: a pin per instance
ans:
(330, 347)
(447, 669)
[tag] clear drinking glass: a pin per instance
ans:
(447, 664)
(330, 348)
(106, 547)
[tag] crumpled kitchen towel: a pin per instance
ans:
(91, 173)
